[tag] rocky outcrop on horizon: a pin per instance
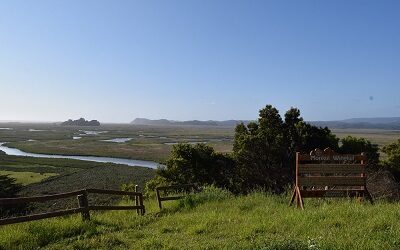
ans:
(81, 122)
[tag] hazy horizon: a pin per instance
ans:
(198, 60)
(107, 122)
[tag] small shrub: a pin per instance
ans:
(150, 187)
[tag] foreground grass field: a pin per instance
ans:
(216, 220)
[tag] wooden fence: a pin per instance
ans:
(83, 204)
(176, 190)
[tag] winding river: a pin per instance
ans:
(129, 162)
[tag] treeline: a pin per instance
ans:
(263, 154)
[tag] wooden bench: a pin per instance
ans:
(177, 191)
(324, 173)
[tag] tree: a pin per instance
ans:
(259, 151)
(353, 145)
(265, 150)
(197, 164)
(392, 152)
(8, 189)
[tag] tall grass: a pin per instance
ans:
(214, 219)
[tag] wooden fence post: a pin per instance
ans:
(158, 198)
(137, 199)
(83, 203)
(141, 204)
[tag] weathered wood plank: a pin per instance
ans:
(115, 192)
(332, 169)
(339, 158)
(170, 198)
(331, 193)
(332, 181)
(116, 207)
(176, 187)
(40, 216)
(43, 198)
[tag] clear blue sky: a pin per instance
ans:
(117, 60)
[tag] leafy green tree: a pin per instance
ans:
(392, 152)
(265, 150)
(259, 150)
(315, 137)
(8, 189)
(354, 145)
(197, 164)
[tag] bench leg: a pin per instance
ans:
(368, 196)
(299, 199)
(293, 197)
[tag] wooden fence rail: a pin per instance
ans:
(83, 204)
(186, 188)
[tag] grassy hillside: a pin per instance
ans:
(216, 220)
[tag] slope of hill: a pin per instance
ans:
(217, 220)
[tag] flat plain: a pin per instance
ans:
(139, 142)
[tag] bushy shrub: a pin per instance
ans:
(150, 187)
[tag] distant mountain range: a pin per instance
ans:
(377, 122)
(163, 122)
(367, 123)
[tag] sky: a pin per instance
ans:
(206, 59)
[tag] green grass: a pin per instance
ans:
(26, 178)
(217, 220)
